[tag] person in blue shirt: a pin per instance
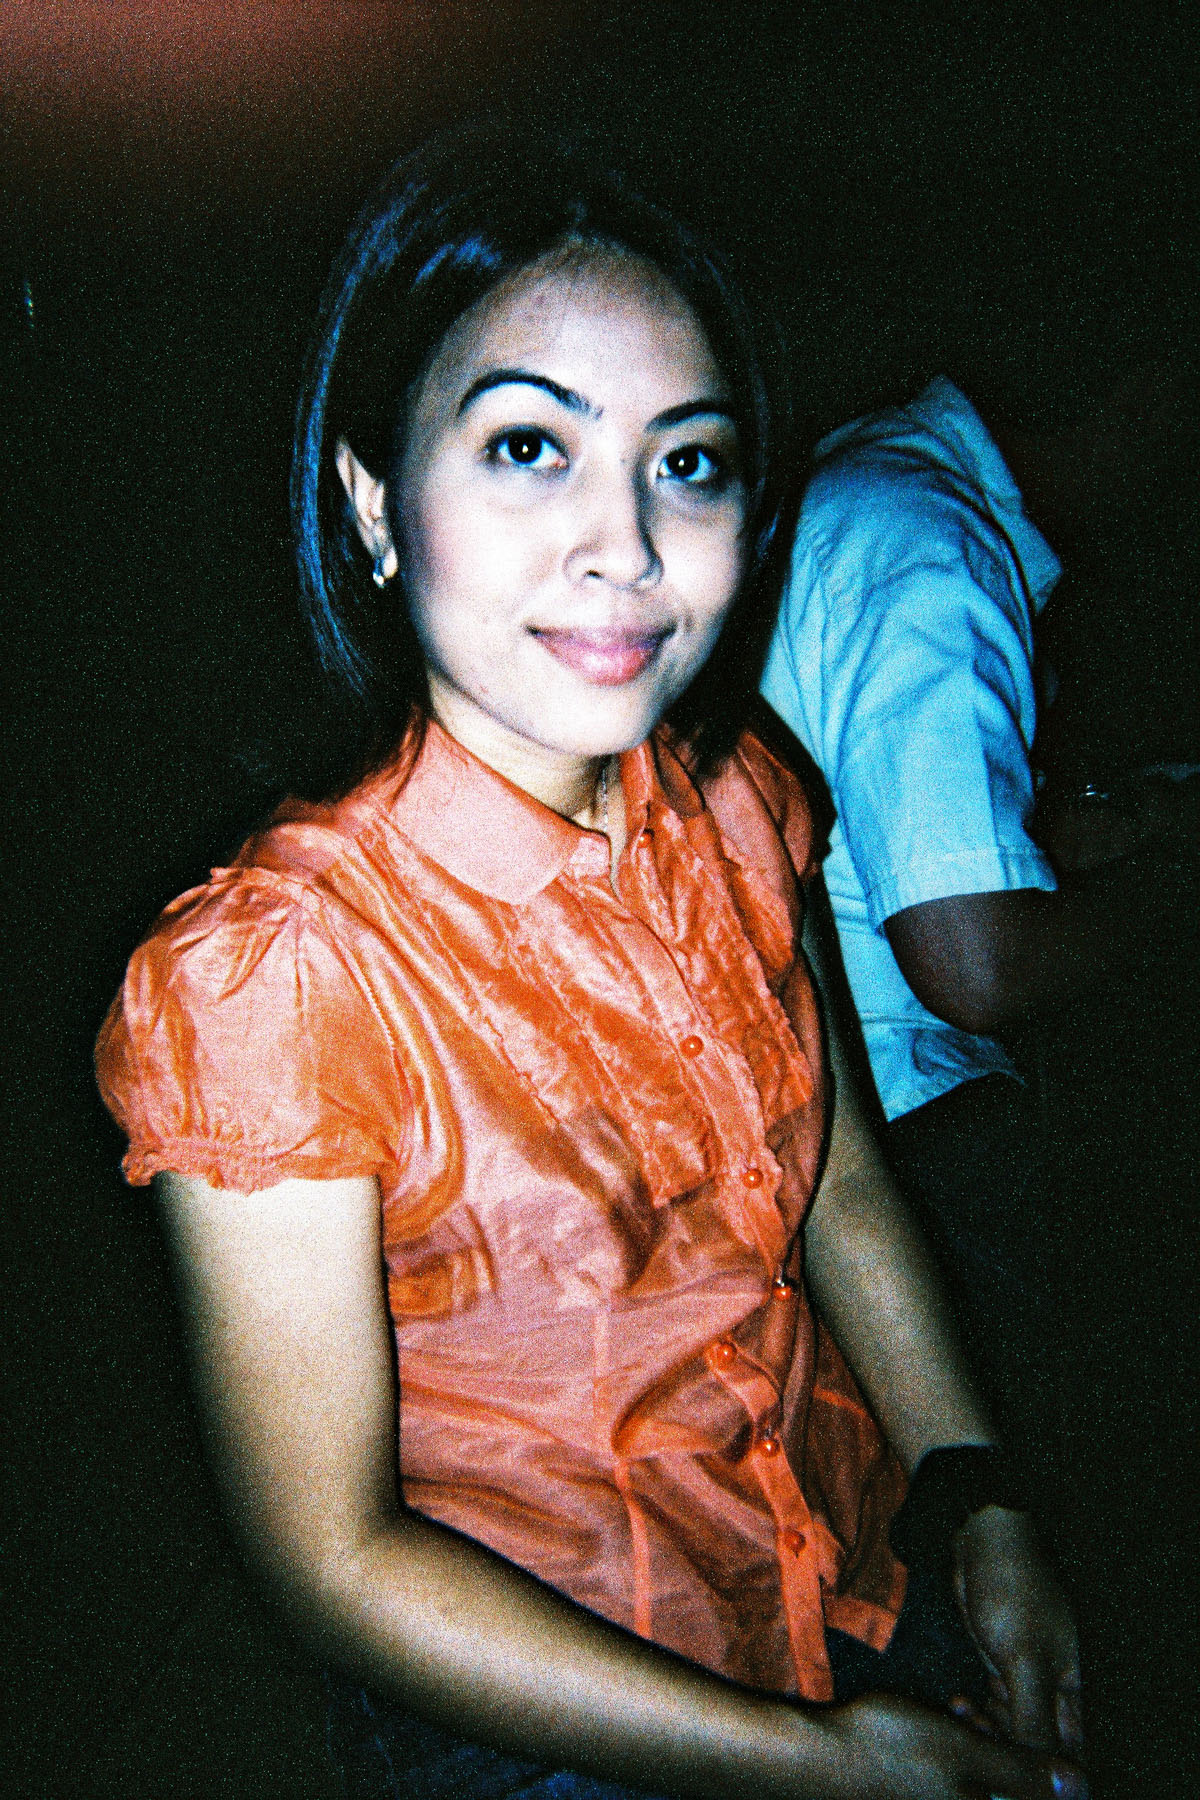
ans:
(903, 662)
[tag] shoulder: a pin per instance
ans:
(240, 918)
(892, 553)
(896, 482)
(304, 841)
(764, 772)
(230, 973)
(274, 944)
(224, 1052)
(898, 501)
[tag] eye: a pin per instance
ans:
(522, 447)
(695, 466)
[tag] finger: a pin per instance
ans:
(1013, 1773)
(1070, 1718)
(1065, 1783)
(1032, 1704)
(964, 1709)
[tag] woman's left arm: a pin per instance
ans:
(874, 1283)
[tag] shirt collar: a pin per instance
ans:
(495, 838)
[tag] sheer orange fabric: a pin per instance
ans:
(596, 1119)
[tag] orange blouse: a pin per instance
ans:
(596, 1120)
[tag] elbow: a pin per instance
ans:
(320, 1568)
(963, 961)
(973, 996)
(982, 1009)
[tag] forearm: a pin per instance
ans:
(289, 1338)
(483, 1649)
(867, 1265)
(877, 1289)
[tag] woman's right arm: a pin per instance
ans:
(285, 1310)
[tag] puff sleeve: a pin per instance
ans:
(245, 1046)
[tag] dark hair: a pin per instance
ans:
(444, 228)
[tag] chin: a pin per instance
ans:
(620, 731)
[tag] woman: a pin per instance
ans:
(486, 1103)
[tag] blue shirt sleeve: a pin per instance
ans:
(903, 660)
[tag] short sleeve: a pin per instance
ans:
(912, 642)
(243, 1046)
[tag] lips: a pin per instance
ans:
(607, 658)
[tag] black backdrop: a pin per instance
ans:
(974, 189)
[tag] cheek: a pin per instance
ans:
(432, 546)
(709, 571)
(469, 554)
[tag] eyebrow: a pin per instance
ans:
(525, 378)
(671, 415)
(691, 409)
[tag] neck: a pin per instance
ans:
(568, 784)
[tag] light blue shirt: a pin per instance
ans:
(903, 661)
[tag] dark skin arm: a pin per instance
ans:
(984, 961)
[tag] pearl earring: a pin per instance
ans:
(378, 574)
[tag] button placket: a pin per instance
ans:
(805, 1562)
(805, 1566)
(751, 1187)
(750, 1384)
(724, 1080)
(715, 1067)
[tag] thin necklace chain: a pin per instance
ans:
(599, 803)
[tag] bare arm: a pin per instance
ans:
(284, 1300)
(983, 961)
(867, 1264)
(284, 1304)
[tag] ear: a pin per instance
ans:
(368, 497)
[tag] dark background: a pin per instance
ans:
(1007, 193)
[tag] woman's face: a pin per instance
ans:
(570, 511)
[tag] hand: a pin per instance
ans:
(1021, 1624)
(1088, 827)
(892, 1749)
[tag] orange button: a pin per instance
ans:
(752, 1177)
(769, 1444)
(782, 1288)
(723, 1352)
(645, 839)
(692, 1046)
(794, 1541)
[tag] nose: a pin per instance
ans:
(612, 540)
